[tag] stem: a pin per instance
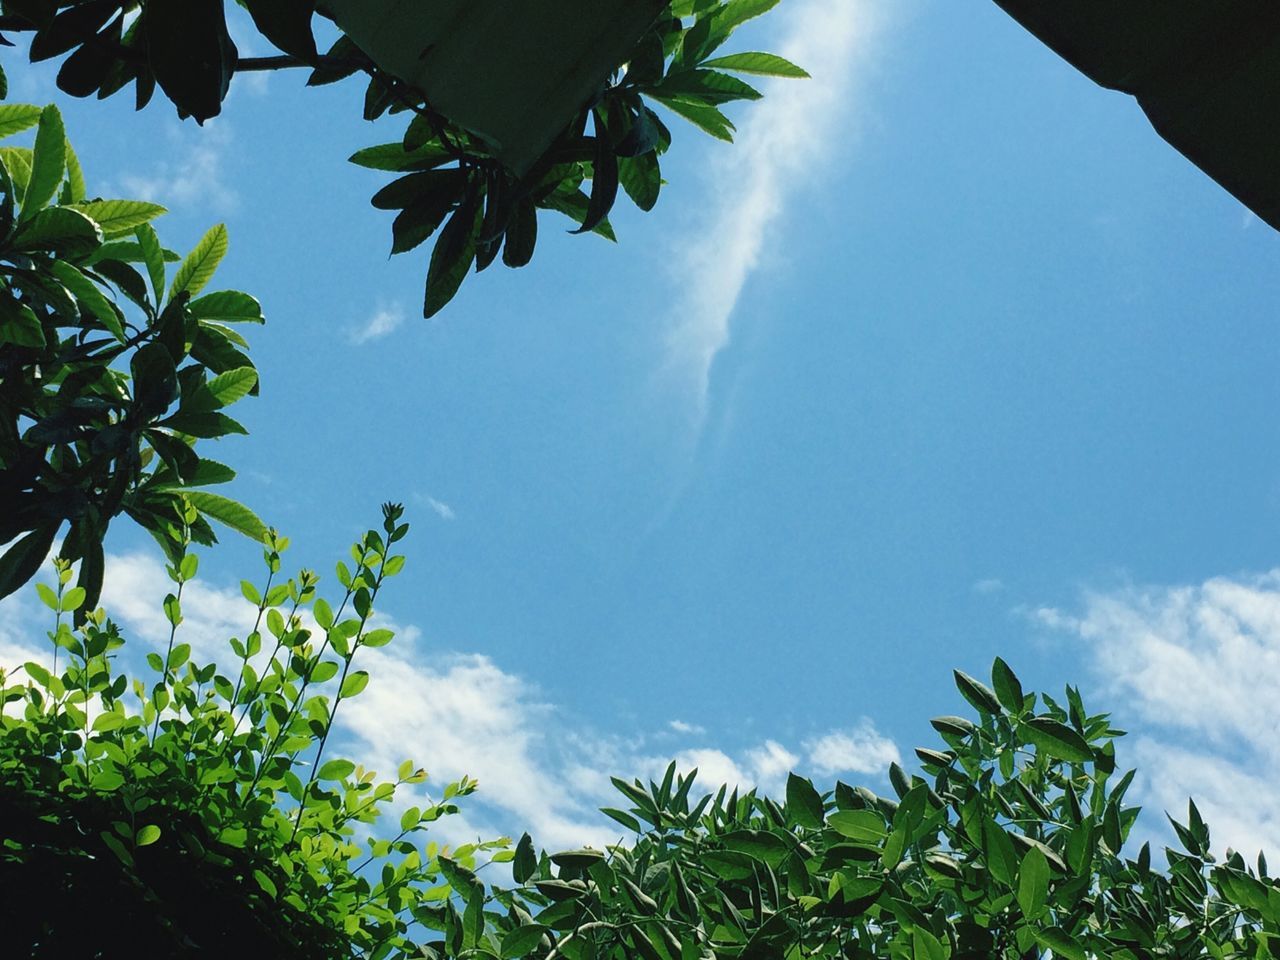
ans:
(173, 632)
(333, 713)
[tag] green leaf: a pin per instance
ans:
(89, 294)
(190, 53)
(761, 64)
(977, 693)
(227, 388)
(577, 859)
(153, 256)
(119, 217)
(641, 178)
(48, 162)
(354, 684)
(72, 600)
(16, 117)
(147, 835)
(866, 826)
(706, 118)
(925, 946)
(804, 803)
(1033, 883)
(395, 158)
(63, 229)
(453, 255)
(199, 266)
(287, 24)
(1056, 739)
(1008, 687)
(703, 88)
(525, 863)
(21, 561)
(522, 940)
(624, 818)
(336, 770)
(227, 306)
(1061, 943)
(235, 515)
(19, 325)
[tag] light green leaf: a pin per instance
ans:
(760, 64)
(198, 268)
(72, 600)
(153, 257)
(227, 388)
(354, 684)
(48, 162)
(17, 160)
(88, 293)
(120, 217)
(73, 189)
(336, 770)
(16, 117)
(235, 515)
(147, 835)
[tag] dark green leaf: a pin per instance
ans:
(1056, 739)
(1007, 687)
(453, 255)
(287, 24)
(804, 803)
(21, 561)
(190, 53)
(977, 693)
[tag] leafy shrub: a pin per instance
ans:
(196, 811)
(107, 376)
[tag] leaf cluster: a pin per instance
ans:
(1010, 847)
(198, 810)
(110, 368)
(452, 187)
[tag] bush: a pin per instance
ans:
(197, 811)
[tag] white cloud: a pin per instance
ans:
(786, 138)
(860, 750)
(196, 178)
(442, 509)
(384, 321)
(1195, 669)
(540, 769)
(679, 726)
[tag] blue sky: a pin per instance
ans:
(949, 357)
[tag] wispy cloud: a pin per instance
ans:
(385, 320)
(195, 178)
(786, 138)
(1193, 670)
(442, 509)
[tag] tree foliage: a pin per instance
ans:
(204, 801)
(111, 365)
(452, 186)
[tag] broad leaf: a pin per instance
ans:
(199, 266)
(235, 515)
